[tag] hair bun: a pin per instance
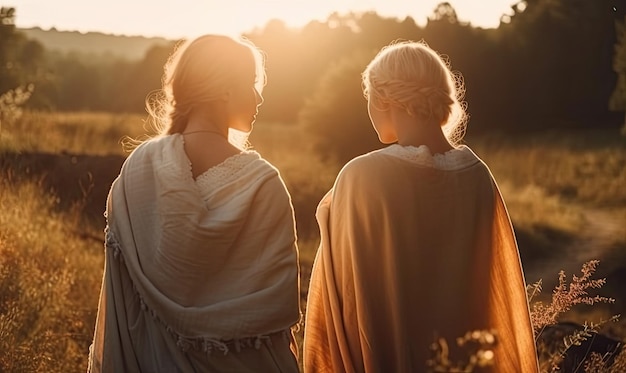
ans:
(413, 76)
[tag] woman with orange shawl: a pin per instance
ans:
(416, 241)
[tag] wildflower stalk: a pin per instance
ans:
(565, 296)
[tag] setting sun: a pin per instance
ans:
(428, 185)
(189, 17)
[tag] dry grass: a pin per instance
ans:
(581, 166)
(50, 274)
(49, 284)
(76, 133)
(564, 190)
(553, 179)
(555, 344)
(565, 296)
(599, 363)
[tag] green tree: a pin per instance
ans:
(79, 85)
(618, 97)
(142, 78)
(559, 61)
(9, 39)
(336, 114)
(296, 58)
(375, 31)
(20, 58)
(444, 12)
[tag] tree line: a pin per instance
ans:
(550, 64)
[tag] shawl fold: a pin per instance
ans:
(413, 250)
(207, 265)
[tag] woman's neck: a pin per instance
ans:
(199, 123)
(412, 132)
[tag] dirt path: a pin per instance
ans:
(603, 232)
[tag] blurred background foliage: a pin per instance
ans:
(546, 93)
(552, 64)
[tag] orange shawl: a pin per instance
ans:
(412, 249)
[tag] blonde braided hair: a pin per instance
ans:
(414, 77)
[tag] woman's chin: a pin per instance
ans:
(244, 128)
(386, 140)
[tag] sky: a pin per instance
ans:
(188, 18)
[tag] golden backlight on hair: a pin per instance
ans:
(201, 71)
(412, 76)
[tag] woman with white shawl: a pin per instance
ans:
(416, 241)
(201, 267)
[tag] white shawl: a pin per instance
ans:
(207, 264)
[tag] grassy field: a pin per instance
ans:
(565, 192)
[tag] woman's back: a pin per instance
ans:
(414, 246)
(407, 256)
(201, 269)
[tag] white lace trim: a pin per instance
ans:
(451, 160)
(225, 172)
(222, 173)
